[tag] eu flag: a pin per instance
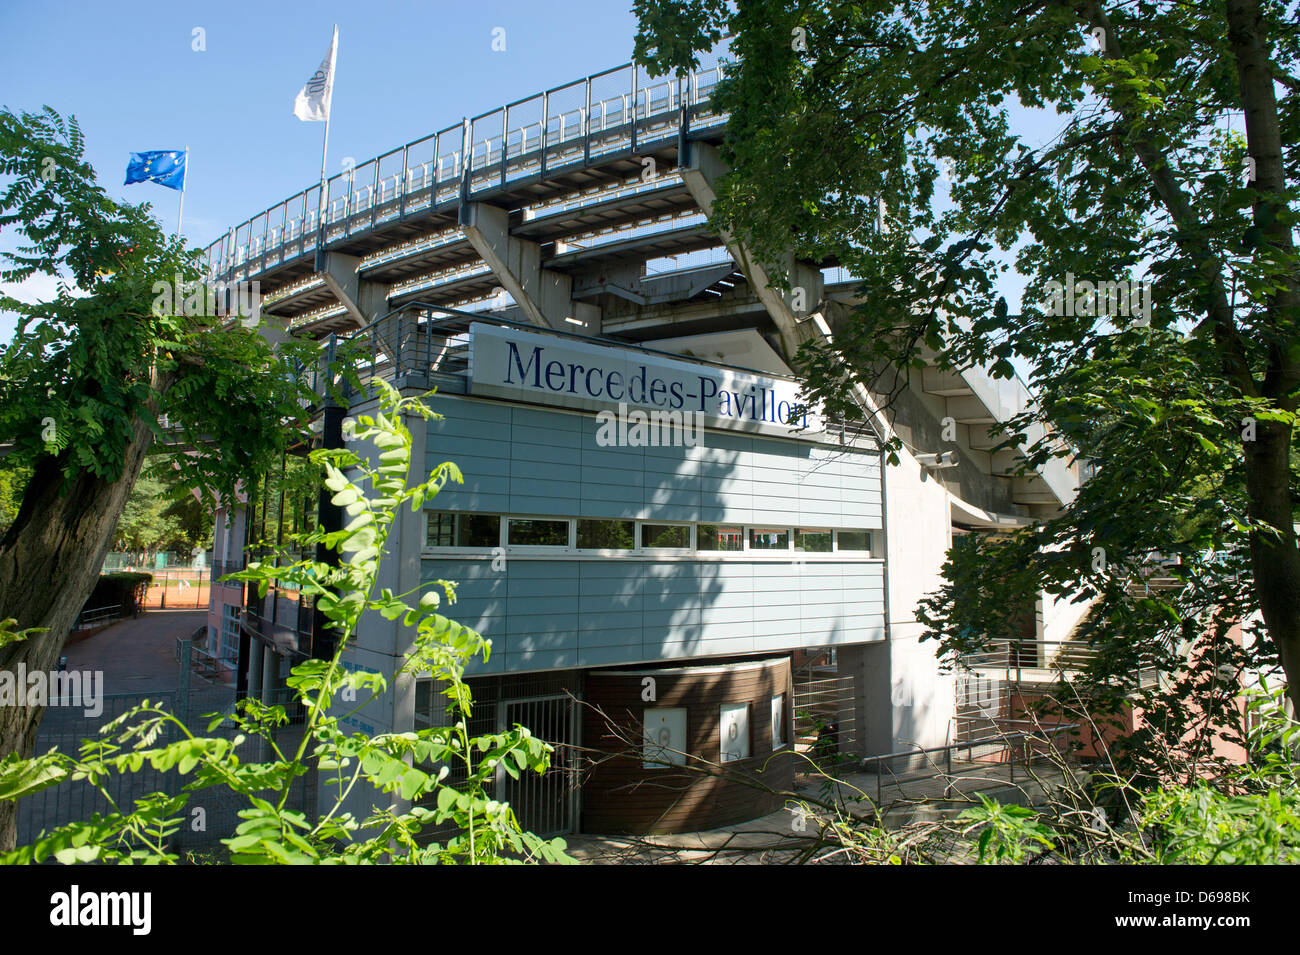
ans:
(163, 166)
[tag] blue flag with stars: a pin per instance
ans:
(163, 166)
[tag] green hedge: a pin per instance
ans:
(125, 589)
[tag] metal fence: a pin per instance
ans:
(178, 589)
(209, 815)
(824, 722)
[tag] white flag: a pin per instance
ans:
(312, 104)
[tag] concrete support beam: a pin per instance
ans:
(968, 409)
(790, 311)
(871, 717)
(546, 297)
(364, 300)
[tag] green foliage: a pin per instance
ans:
(13, 481)
(81, 368)
(161, 516)
(935, 110)
(410, 767)
(1007, 833)
(1253, 820)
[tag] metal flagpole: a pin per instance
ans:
(180, 212)
(324, 149)
(325, 143)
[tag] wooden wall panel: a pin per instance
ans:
(621, 796)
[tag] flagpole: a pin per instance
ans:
(325, 142)
(324, 149)
(180, 212)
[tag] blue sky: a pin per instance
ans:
(405, 68)
(135, 81)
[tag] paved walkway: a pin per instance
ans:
(138, 655)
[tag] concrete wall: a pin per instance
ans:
(903, 701)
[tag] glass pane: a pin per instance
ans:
(528, 533)
(463, 530)
(854, 540)
(478, 530)
(666, 535)
(606, 535)
(423, 703)
(812, 541)
(769, 539)
(442, 529)
(717, 537)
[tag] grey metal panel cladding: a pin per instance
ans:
(547, 462)
(543, 614)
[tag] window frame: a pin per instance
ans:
(566, 547)
(690, 538)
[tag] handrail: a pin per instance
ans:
(631, 112)
(1004, 738)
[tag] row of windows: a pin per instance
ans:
(446, 529)
(666, 739)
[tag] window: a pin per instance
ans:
(424, 703)
(812, 541)
(763, 538)
(672, 536)
(853, 540)
(665, 737)
(446, 529)
(606, 535)
(718, 537)
(230, 634)
(778, 721)
(526, 532)
(734, 729)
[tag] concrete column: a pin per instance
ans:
(255, 668)
(364, 300)
(546, 297)
(871, 714)
(790, 311)
(270, 672)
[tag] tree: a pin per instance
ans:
(87, 376)
(414, 767)
(158, 516)
(843, 116)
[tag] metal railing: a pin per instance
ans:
(1041, 661)
(1031, 746)
(97, 617)
(569, 125)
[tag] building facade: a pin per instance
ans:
(662, 544)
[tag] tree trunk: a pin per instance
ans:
(1275, 558)
(49, 563)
